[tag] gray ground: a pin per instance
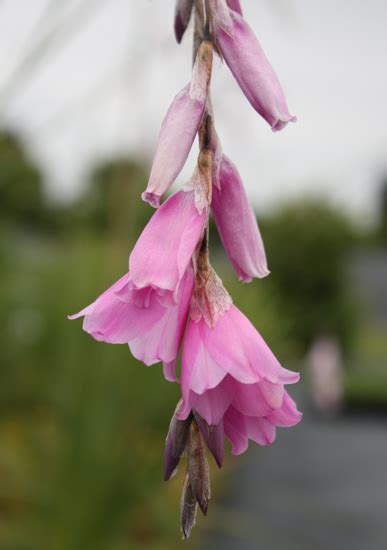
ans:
(322, 485)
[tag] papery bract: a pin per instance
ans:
(179, 128)
(153, 333)
(165, 247)
(253, 71)
(183, 12)
(237, 225)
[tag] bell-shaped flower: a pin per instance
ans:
(183, 12)
(153, 331)
(179, 128)
(229, 374)
(163, 251)
(237, 225)
(249, 65)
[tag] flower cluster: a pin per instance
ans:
(171, 298)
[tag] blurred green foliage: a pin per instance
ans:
(307, 246)
(82, 424)
(21, 192)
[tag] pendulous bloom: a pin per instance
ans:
(171, 299)
(230, 375)
(237, 225)
(179, 128)
(152, 330)
(252, 70)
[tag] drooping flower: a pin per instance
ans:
(179, 128)
(229, 374)
(183, 12)
(237, 225)
(164, 250)
(152, 329)
(250, 66)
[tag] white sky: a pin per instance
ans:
(106, 90)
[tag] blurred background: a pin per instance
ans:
(84, 85)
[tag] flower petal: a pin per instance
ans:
(165, 247)
(287, 415)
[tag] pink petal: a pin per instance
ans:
(161, 341)
(235, 430)
(169, 370)
(251, 399)
(165, 247)
(232, 347)
(109, 319)
(287, 415)
(237, 225)
(260, 430)
(212, 404)
(153, 333)
(240, 428)
(253, 72)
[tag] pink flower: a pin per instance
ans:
(163, 251)
(153, 332)
(179, 128)
(230, 374)
(251, 68)
(237, 225)
(183, 12)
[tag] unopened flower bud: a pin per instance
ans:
(188, 507)
(183, 12)
(179, 128)
(213, 436)
(175, 444)
(198, 470)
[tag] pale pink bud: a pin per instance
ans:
(252, 70)
(179, 128)
(183, 12)
(237, 225)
